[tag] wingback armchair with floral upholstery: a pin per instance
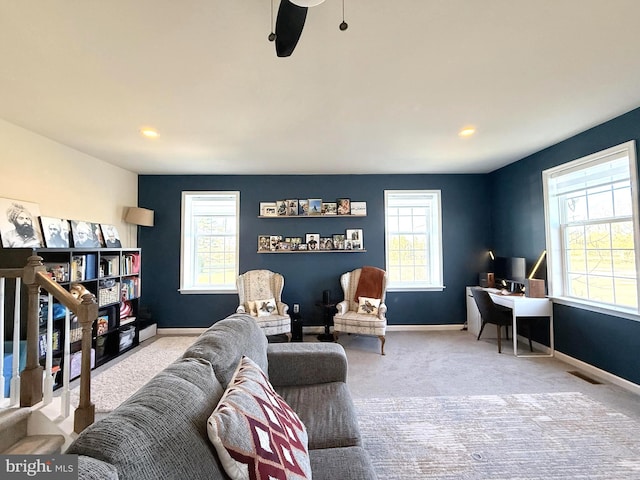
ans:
(363, 310)
(260, 295)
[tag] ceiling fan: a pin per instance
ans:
(290, 22)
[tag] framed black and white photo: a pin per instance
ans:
(338, 241)
(110, 236)
(268, 209)
(19, 225)
(353, 239)
(86, 234)
(281, 208)
(55, 232)
(295, 243)
(326, 243)
(313, 241)
(264, 243)
(315, 206)
(344, 206)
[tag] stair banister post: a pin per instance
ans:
(87, 314)
(31, 378)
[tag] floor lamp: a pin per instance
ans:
(138, 216)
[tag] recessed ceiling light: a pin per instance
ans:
(149, 132)
(467, 131)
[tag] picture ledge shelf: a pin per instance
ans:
(313, 251)
(311, 216)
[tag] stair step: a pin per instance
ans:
(13, 426)
(36, 445)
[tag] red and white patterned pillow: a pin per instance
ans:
(256, 434)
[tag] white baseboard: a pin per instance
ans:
(598, 373)
(181, 331)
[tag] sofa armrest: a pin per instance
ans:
(306, 363)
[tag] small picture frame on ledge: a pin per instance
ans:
(264, 243)
(313, 241)
(344, 206)
(268, 209)
(354, 240)
(338, 241)
(315, 206)
(281, 208)
(329, 208)
(303, 206)
(359, 209)
(292, 207)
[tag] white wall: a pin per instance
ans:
(64, 182)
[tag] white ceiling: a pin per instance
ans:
(388, 95)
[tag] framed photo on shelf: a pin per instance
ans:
(86, 234)
(292, 207)
(303, 206)
(268, 209)
(359, 209)
(274, 242)
(315, 206)
(264, 243)
(110, 236)
(326, 243)
(281, 208)
(338, 241)
(344, 206)
(329, 208)
(354, 240)
(295, 243)
(302, 246)
(19, 225)
(313, 241)
(56, 232)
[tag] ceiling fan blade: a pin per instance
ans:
(289, 24)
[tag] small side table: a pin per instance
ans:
(329, 309)
(296, 327)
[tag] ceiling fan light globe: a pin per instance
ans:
(306, 3)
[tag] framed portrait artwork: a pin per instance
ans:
(338, 241)
(292, 207)
(19, 225)
(303, 206)
(110, 236)
(281, 208)
(86, 234)
(55, 232)
(313, 241)
(264, 243)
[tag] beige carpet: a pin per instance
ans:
(114, 385)
(533, 436)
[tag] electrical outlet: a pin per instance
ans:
(296, 308)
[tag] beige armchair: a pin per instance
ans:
(260, 295)
(366, 317)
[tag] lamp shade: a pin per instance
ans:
(139, 216)
(306, 3)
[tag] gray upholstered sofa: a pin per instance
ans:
(161, 431)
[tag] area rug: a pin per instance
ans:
(113, 386)
(534, 436)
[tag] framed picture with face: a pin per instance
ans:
(19, 225)
(55, 232)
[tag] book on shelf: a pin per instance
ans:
(78, 268)
(131, 263)
(109, 265)
(127, 321)
(130, 287)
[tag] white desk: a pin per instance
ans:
(526, 307)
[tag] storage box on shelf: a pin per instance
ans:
(111, 274)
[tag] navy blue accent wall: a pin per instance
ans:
(607, 342)
(466, 232)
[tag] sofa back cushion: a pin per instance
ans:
(161, 430)
(226, 341)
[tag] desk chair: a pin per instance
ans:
(497, 315)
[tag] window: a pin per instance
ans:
(209, 257)
(591, 220)
(413, 239)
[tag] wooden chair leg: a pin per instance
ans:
(288, 336)
(480, 332)
(335, 336)
(382, 340)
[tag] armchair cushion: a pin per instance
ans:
(266, 307)
(368, 306)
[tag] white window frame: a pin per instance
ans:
(555, 225)
(432, 201)
(188, 283)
